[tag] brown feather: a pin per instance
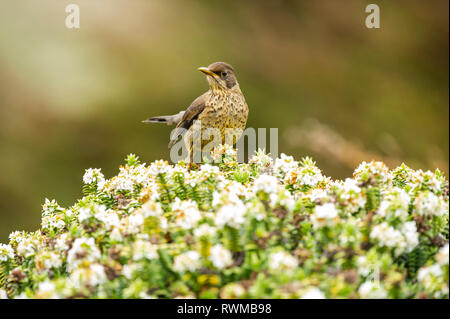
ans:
(189, 116)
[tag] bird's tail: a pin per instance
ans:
(168, 119)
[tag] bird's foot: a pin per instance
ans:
(192, 166)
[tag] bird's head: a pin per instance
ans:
(220, 76)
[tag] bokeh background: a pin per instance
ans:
(337, 91)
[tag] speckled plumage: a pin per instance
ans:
(224, 110)
(222, 107)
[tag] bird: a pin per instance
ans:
(222, 108)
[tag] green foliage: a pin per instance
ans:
(132, 160)
(3, 275)
(266, 229)
(417, 258)
(373, 199)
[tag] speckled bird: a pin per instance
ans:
(222, 107)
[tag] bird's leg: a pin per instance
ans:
(190, 157)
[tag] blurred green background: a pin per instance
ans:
(337, 91)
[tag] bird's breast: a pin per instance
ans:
(225, 111)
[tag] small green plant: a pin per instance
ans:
(266, 229)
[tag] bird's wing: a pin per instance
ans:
(189, 116)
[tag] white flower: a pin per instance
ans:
(3, 294)
(231, 193)
(92, 275)
(350, 195)
(317, 194)
(69, 213)
(221, 150)
(232, 290)
(442, 256)
(135, 221)
(284, 164)
(230, 215)
(313, 293)
(433, 280)
(46, 290)
(93, 175)
(6, 252)
(429, 179)
(123, 183)
(61, 242)
(129, 270)
(50, 207)
(53, 221)
(310, 177)
(144, 250)
(47, 260)
(108, 217)
(427, 204)
(84, 213)
(26, 248)
(307, 174)
(351, 186)
(409, 231)
(116, 234)
(163, 223)
(220, 256)
(261, 160)
(188, 261)
(283, 198)
(401, 241)
(159, 167)
(209, 169)
(282, 261)
(152, 209)
(52, 215)
(139, 174)
(373, 172)
(66, 256)
(395, 204)
(371, 290)
(387, 236)
(82, 249)
(364, 266)
(427, 272)
(16, 237)
(205, 230)
(266, 183)
(128, 178)
(186, 213)
(216, 199)
(324, 215)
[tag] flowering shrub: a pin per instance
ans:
(266, 229)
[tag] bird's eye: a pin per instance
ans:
(224, 73)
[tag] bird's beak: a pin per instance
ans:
(208, 72)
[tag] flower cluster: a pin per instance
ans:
(266, 229)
